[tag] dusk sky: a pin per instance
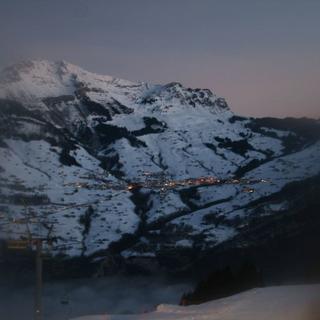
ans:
(262, 56)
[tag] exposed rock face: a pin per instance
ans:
(67, 134)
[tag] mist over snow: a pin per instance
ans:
(66, 299)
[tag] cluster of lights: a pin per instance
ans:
(159, 182)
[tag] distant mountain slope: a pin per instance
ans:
(67, 134)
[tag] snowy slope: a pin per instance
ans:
(278, 303)
(67, 135)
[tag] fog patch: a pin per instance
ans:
(65, 299)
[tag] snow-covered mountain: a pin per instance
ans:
(71, 142)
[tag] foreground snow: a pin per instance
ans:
(286, 302)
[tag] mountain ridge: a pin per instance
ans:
(68, 134)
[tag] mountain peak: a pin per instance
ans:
(70, 137)
(31, 81)
(40, 68)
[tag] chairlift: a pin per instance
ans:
(13, 244)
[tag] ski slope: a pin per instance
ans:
(271, 303)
